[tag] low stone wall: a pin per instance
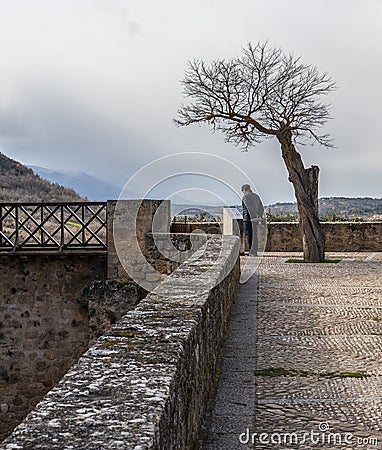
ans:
(145, 251)
(43, 325)
(166, 251)
(340, 237)
(147, 382)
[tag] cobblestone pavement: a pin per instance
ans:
(317, 358)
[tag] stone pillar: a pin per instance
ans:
(233, 226)
(129, 221)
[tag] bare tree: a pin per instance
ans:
(262, 94)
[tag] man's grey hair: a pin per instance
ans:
(246, 188)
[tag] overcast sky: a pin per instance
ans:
(93, 85)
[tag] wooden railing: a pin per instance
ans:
(52, 226)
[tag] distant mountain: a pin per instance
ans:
(19, 183)
(91, 187)
(347, 207)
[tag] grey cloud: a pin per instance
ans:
(94, 85)
(63, 132)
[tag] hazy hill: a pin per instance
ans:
(20, 184)
(91, 187)
(348, 207)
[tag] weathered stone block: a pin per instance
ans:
(108, 301)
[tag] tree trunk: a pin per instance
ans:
(305, 183)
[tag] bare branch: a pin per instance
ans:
(256, 96)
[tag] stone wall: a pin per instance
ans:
(340, 236)
(147, 382)
(53, 305)
(129, 221)
(43, 325)
(145, 251)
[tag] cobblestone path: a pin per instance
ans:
(317, 358)
(234, 405)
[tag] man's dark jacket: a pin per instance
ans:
(252, 206)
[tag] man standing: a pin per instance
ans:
(253, 211)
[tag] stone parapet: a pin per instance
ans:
(340, 236)
(148, 381)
